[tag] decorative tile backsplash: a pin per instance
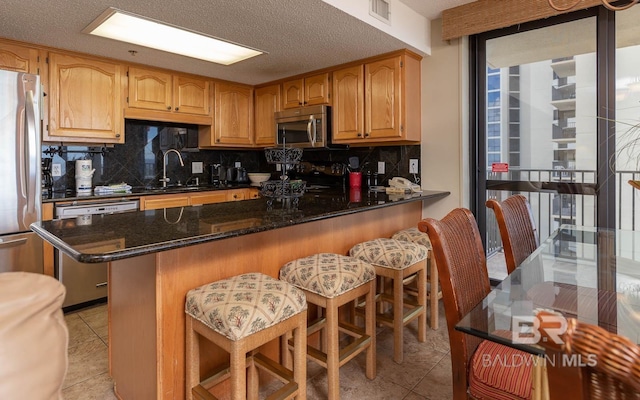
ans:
(138, 162)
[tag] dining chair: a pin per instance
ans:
(517, 228)
(464, 280)
(608, 364)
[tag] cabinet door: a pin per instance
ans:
(348, 104)
(382, 98)
(164, 201)
(85, 100)
(191, 95)
(18, 58)
(267, 102)
(234, 114)
(149, 89)
(237, 194)
(316, 89)
(219, 196)
(293, 93)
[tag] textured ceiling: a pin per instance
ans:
(298, 35)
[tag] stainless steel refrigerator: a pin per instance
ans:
(20, 153)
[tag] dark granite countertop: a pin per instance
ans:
(150, 231)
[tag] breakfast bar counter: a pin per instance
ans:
(164, 253)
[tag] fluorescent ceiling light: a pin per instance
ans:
(131, 28)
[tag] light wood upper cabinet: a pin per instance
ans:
(161, 91)
(267, 103)
(19, 58)
(233, 117)
(387, 111)
(348, 103)
(85, 100)
(150, 89)
(307, 91)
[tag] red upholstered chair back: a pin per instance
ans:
(517, 229)
(462, 268)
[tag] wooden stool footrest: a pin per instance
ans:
(347, 353)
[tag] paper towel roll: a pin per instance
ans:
(84, 168)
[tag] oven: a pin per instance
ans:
(87, 282)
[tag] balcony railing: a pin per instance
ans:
(550, 210)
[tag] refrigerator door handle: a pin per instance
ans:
(31, 157)
(14, 242)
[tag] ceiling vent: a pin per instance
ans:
(379, 9)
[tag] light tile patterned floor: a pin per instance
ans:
(424, 374)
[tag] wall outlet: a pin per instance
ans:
(413, 166)
(56, 170)
(380, 167)
(196, 167)
(238, 164)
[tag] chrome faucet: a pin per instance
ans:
(164, 179)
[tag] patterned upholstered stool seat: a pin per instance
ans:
(330, 281)
(433, 290)
(413, 235)
(397, 260)
(240, 314)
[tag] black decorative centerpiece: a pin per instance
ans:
(283, 188)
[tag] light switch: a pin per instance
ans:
(380, 167)
(238, 164)
(196, 167)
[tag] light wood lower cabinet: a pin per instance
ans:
(47, 248)
(196, 199)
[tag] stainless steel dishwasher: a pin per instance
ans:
(87, 282)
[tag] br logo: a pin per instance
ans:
(526, 328)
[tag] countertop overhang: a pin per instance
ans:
(151, 231)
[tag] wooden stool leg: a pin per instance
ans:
(192, 359)
(333, 350)
(285, 353)
(238, 371)
(300, 356)
(433, 292)
(253, 382)
(370, 329)
(422, 302)
(398, 313)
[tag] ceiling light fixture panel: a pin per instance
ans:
(131, 28)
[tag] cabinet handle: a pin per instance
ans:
(218, 140)
(177, 108)
(117, 135)
(359, 134)
(366, 135)
(169, 108)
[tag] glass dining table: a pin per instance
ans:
(590, 274)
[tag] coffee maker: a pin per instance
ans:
(47, 177)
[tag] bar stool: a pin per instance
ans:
(239, 315)
(33, 336)
(434, 293)
(397, 259)
(330, 281)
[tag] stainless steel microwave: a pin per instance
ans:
(305, 127)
